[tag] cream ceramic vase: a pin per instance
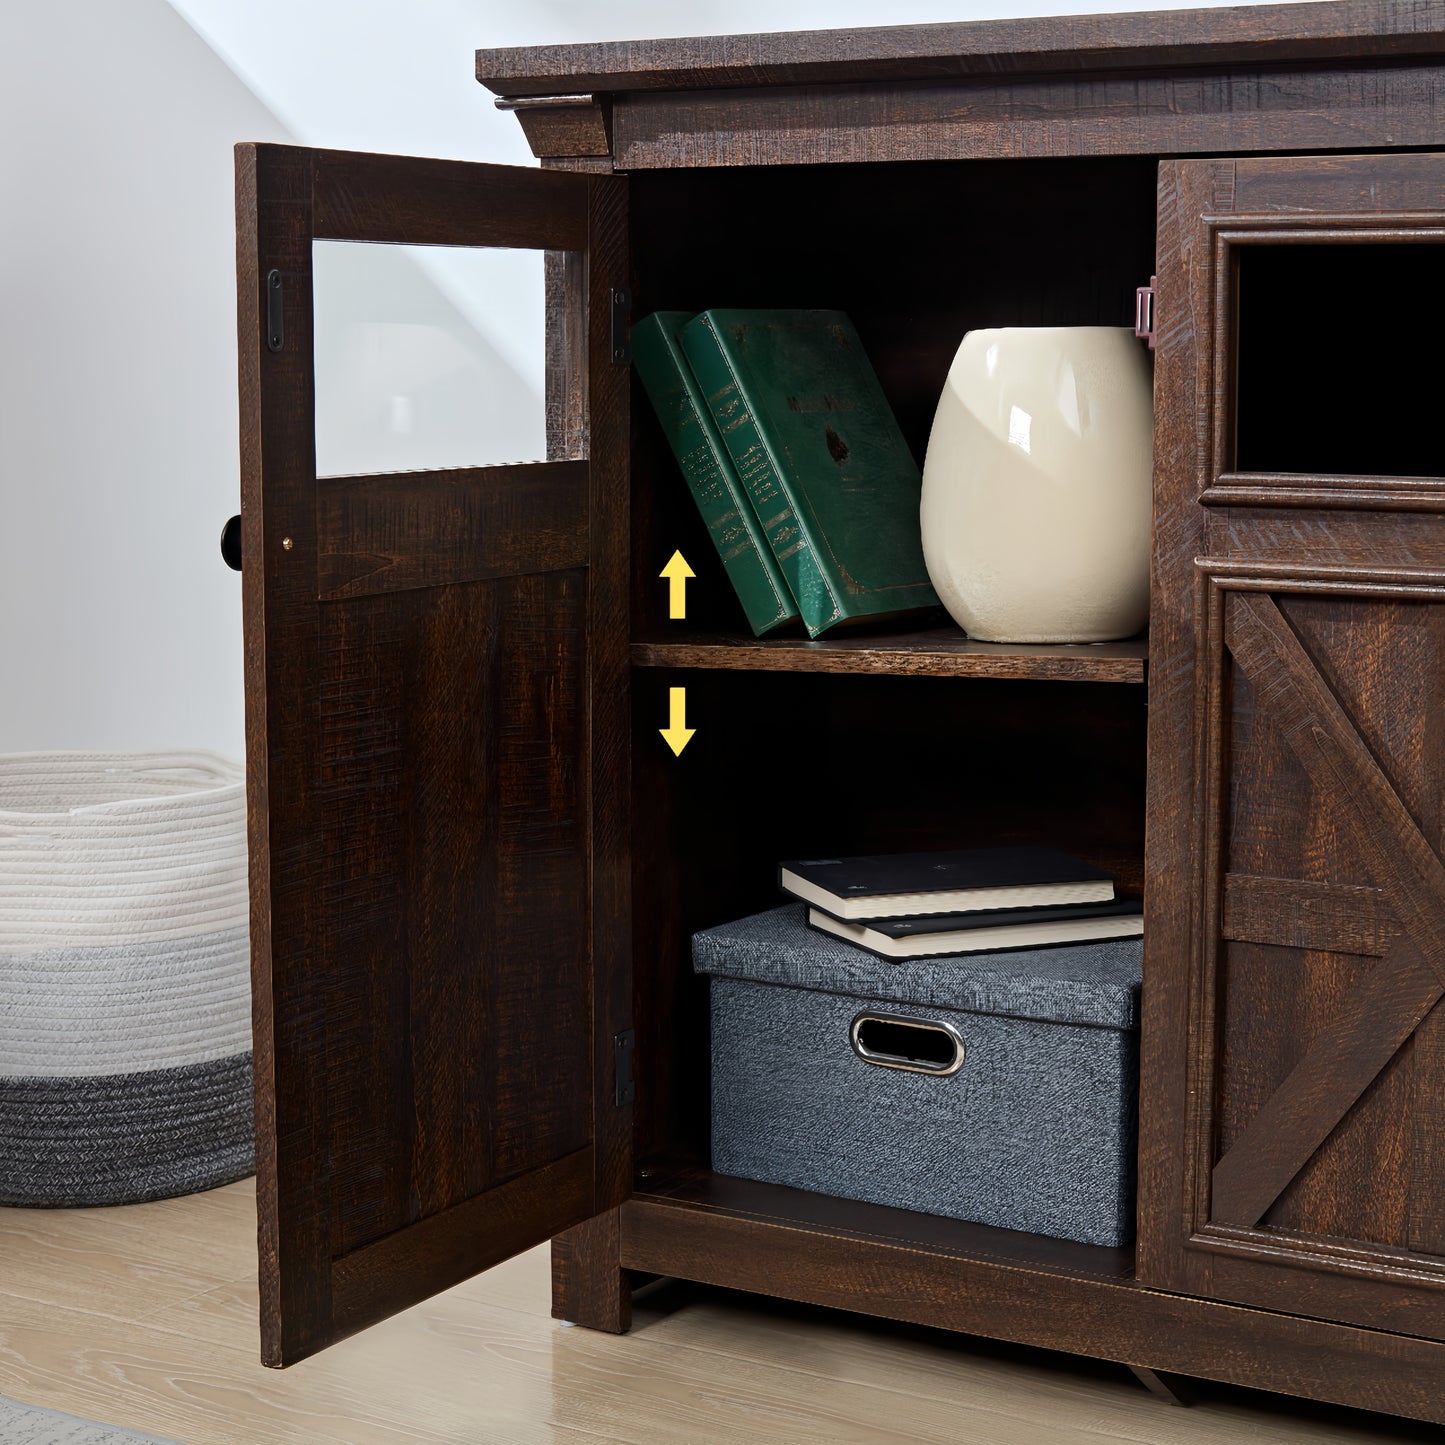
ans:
(1036, 488)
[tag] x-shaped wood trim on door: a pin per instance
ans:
(1385, 1008)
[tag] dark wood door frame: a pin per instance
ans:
(438, 774)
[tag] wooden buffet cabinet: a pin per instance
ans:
(475, 865)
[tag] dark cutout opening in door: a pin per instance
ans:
(1338, 361)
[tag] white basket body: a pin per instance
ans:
(125, 1029)
(105, 848)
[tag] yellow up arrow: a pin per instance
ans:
(677, 572)
(677, 733)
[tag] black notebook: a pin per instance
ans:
(902, 885)
(988, 931)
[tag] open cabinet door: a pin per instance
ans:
(1293, 1091)
(436, 723)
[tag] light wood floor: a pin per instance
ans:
(146, 1317)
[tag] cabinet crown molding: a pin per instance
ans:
(1249, 35)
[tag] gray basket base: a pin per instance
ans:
(125, 1138)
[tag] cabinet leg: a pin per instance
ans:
(589, 1285)
(1173, 1388)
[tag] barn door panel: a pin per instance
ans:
(1293, 1058)
(1332, 916)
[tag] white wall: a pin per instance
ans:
(117, 366)
(119, 627)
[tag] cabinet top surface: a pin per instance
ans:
(1248, 35)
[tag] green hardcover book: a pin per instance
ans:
(817, 446)
(693, 436)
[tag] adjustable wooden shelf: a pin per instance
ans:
(938, 652)
(476, 866)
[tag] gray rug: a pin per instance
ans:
(26, 1425)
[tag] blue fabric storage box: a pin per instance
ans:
(1032, 1127)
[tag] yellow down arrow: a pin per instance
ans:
(677, 572)
(677, 733)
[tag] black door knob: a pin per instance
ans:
(231, 544)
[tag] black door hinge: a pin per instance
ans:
(621, 336)
(1144, 326)
(622, 1066)
(275, 322)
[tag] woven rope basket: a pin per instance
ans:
(125, 1027)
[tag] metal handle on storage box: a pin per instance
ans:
(922, 1046)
